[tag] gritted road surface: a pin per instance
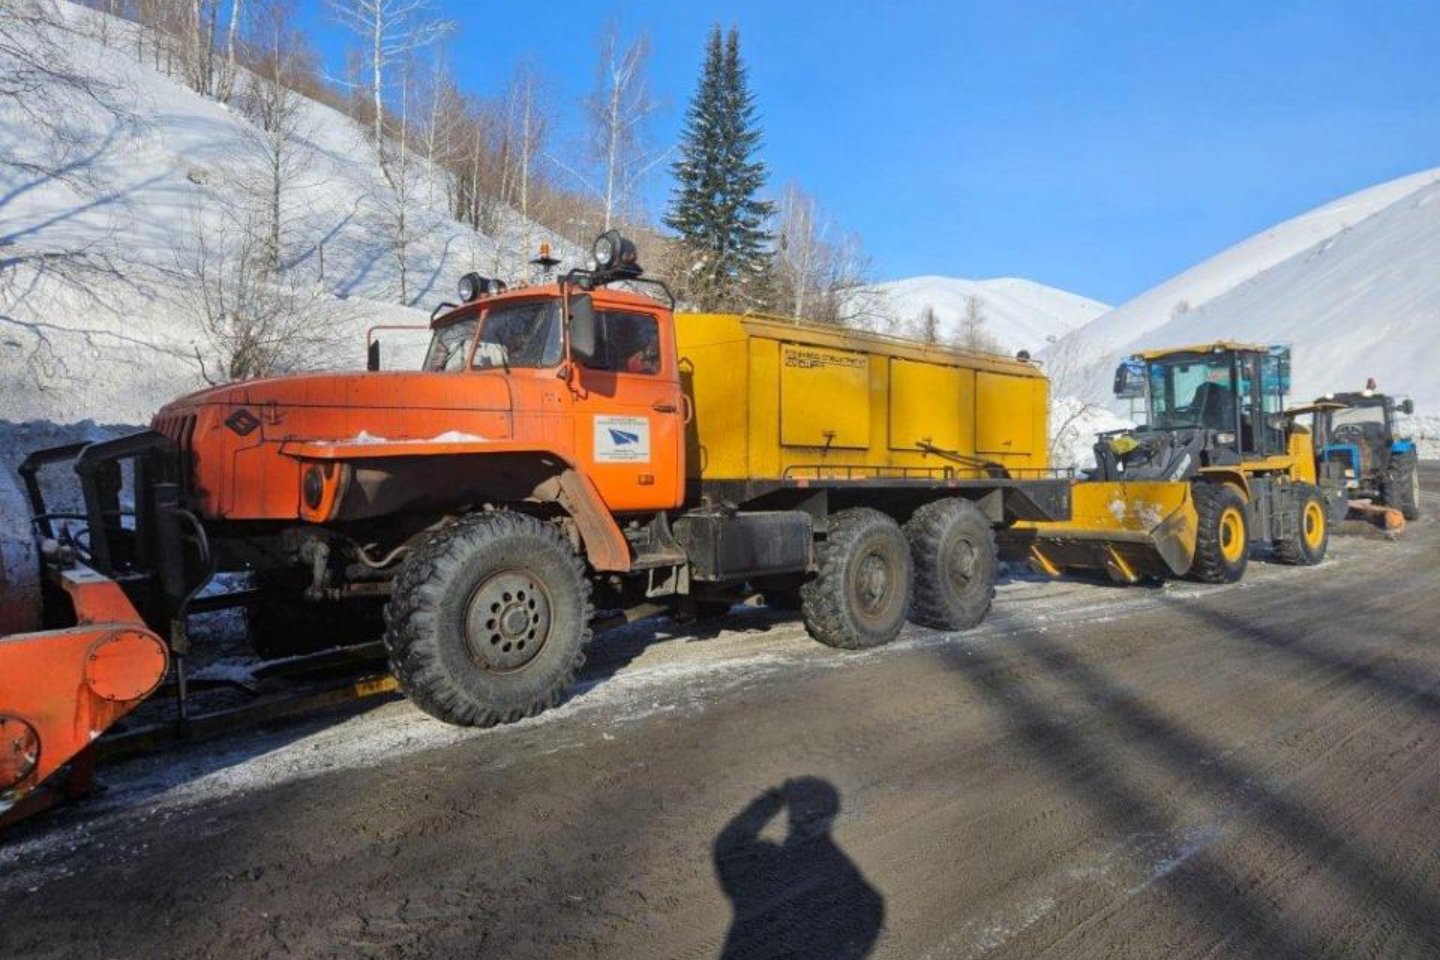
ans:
(1245, 771)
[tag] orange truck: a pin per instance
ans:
(566, 447)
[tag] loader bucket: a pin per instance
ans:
(1127, 530)
(60, 689)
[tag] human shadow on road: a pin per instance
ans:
(799, 898)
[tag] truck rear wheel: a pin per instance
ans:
(1312, 529)
(1222, 542)
(953, 549)
(861, 593)
(489, 619)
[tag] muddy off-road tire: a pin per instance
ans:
(1222, 542)
(861, 594)
(1312, 526)
(489, 619)
(952, 546)
(1402, 486)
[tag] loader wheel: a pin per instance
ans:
(953, 549)
(1312, 526)
(1222, 542)
(861, 593)
(489, 619)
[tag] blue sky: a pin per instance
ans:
(1101, 147)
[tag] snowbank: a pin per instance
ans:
(1018, 314)
(1074, 425)
(1351, 287)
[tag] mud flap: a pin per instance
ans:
(1127, 530)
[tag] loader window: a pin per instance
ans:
(521, 335)
(626, 343)
(448, 347)
(1192, 393)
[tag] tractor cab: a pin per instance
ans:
(1216, 405)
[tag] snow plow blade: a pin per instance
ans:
(1127, 530)
(60, 689)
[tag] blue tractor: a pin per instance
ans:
(1359, 452)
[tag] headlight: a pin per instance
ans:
(312, 486)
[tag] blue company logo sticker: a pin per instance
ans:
(621, 437)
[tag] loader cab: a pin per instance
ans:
(1214, 405)
(1233, 394)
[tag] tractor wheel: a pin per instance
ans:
(953, 549)
(1222, 542)
(861, 593)
(1403, 487)
(1312, 526)
(488, 620)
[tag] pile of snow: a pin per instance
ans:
(1074, 425)
(1351, 287)
(143, 191)
(1017, 314)
(1424, 429)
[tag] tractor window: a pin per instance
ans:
(448, 347)
(1195, 392)
(520, 335)
(626, 343)
(1364, 425)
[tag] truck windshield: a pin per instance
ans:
(521, 335)
(1192, 392)
(448, 347)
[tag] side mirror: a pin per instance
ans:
(1407, 406)
(1130, 380)
(372, 356)
(582, 328)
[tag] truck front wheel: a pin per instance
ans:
(953, 548)
(861, 592)
(488, 620)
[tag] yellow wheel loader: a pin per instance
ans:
(1216, 468)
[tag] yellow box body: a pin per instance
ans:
(773, 398)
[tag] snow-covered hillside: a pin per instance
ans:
(1351, 286)
(1017, 314)
(147, 189)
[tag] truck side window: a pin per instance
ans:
(626, 343)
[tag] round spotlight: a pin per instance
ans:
(470, 286)
(606, 250)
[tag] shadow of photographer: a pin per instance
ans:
(801, 897)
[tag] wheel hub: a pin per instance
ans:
(508, 621)
(873, 580)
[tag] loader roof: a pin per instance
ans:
(1219, 346)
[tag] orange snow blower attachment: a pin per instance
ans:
(60, 689)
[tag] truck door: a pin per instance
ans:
(629, 420)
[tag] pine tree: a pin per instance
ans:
(716, 208)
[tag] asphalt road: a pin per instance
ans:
(1246, 771)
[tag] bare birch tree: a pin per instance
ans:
(820, 270)
(278, 140)
(391, 31)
